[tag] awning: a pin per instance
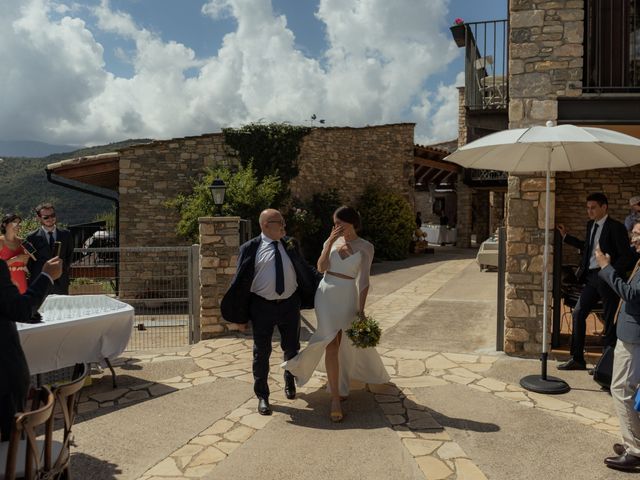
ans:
(101, 170)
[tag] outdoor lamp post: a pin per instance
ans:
(218, 189)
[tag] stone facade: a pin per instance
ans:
(545, 62)
(350, 159)
(219, 242)
(347, 159)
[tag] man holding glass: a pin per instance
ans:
(50, 241)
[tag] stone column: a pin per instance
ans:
(463, 222)
(496, 214)
(481, 227)
(545, 62)
(219, 242)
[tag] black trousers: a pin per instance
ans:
(13, 398)
(265, 316)
(595, 289)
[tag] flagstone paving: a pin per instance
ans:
(427, 442)
(436, 454)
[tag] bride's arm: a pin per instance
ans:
(323, 261)
(363, 277)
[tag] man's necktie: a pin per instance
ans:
(594, 229)
(279, 270)
(52, 242)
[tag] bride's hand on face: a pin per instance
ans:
(336, 232)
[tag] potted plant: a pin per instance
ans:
(458, 30)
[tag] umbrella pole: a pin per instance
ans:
(543, 383)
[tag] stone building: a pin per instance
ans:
(569, 61)
(142, 178)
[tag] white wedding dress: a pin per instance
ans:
(336, 307)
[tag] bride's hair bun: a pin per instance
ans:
(349, 215)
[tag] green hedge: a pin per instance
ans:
(387, 222)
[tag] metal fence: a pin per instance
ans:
(612, 46)
(486, 65)
(159, 282)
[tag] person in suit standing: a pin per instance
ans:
(613, 239)
(626, 358)
(14, 307)
(43, 239)
(271, 284)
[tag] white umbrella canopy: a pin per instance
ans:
(563, 148)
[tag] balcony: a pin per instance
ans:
(612, 46)
(486, 64)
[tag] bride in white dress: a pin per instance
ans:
(341, 296)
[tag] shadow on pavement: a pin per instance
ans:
(462, 423)
(92, 467)
(360, 412)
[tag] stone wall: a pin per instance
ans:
(350, 159)
(219, 242)
(545, 61)
(618, 184)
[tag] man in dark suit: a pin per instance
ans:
(43, 239)
(613, 240)
(626, 358)
(14, 372)
(271, 284)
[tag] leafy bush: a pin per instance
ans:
(245, 197)
(387, 221)
(311, 221)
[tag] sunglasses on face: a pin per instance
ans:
(47, 217)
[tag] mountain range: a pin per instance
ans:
(30, 148)
(23, 184)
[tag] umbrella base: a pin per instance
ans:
(548, 385)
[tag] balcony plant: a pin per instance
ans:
(458, 30)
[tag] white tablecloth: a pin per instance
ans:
(76, 329)
(439, 234)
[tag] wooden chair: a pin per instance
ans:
(67, 396)
(28, 458)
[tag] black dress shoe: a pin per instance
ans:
(624, 462)
(263, 406)
(289, 386)
(572, 365)
(619, 448)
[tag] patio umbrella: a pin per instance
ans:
(565, 148)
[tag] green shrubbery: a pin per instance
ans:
(387, 222)
(245, 197)
(311, 221)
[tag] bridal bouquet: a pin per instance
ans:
(364, 332)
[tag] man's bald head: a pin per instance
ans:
(272, 224)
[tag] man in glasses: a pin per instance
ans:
(45, 239)
(271, 284)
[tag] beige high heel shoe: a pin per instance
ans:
(336, 415)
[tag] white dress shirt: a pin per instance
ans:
(46, 233)
(592, 259)
(264, 278)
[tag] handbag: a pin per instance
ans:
(603, 370)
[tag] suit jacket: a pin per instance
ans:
(628, 328)
(43, 253)
(235, 303)
(614, 240)
(16, 308)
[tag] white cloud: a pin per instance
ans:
(379, 55)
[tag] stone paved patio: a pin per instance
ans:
(425, 440)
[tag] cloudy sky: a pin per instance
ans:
(96, 71)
